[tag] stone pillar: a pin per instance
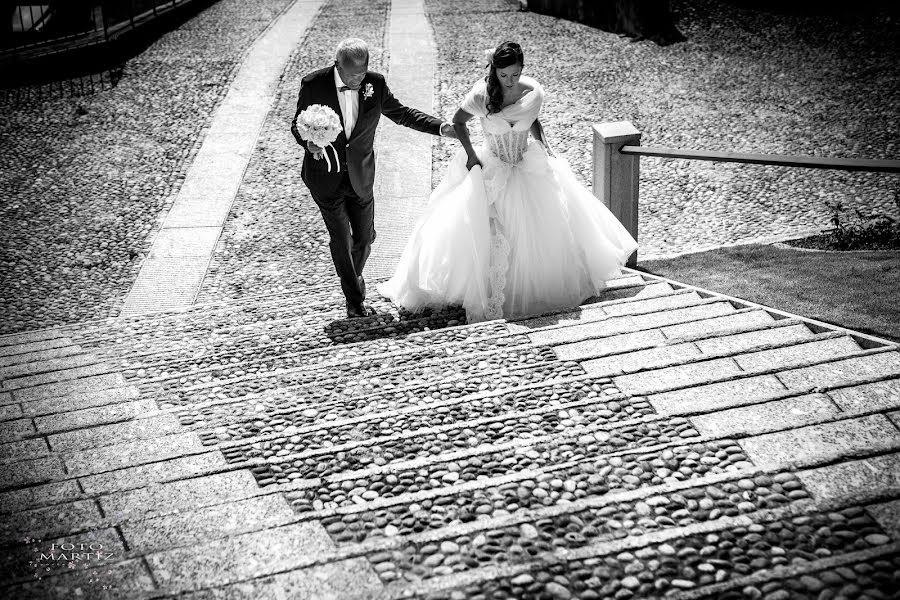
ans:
(616, 174)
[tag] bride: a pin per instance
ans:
(509, 232)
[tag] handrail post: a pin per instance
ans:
(616, 175)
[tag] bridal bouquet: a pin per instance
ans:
(320, 125)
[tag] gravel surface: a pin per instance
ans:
(274, 237)
(86, 180)
(744, 81)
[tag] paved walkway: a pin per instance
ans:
(173, 272)
(659, 441)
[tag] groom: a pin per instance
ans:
(345, 196)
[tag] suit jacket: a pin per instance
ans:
(356, 155)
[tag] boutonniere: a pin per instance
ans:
(368, 91)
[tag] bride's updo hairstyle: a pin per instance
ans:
(505, 55)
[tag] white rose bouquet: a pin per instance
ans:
(320, 125)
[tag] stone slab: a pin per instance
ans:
(653, 304)
(717, 396)
(31, 472)
(16, 430)
(47, 365)
(31, 341)
(792, 356)
(98, 415)
(6, 398)
(26, 449)
(715, 325)
(822, 443)
(856, 480)
(76, 386)
(240, 557)
(185, 242)
(9, 412)
(888, 515)
(884, 364)
(698, 373)
(123, 580)
(626, 342)
(159, 499)
(894, 416)
(881, 395)
(166, 284)
(80, 401)
(619, 325)
(652, 358)
(107, 435)
(770, 416)
(160, 472)
(73, 374)
(39, 495)
(742, 342)
(130, 454)
(350, 579)
(51, 520)
(209, 523)
(38, 355)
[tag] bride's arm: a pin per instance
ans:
(462, 134)
(537, 132)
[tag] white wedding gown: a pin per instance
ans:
(519, 237)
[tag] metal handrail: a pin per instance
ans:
(809, 162)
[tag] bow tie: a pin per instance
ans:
(344, 88)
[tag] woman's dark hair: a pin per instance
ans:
(506, 54)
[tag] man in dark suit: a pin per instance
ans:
(344, 195)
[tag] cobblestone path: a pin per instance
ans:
(660, 441)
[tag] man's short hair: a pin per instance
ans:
(352, 50)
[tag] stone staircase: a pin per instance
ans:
(660, 441)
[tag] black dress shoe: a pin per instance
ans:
(358, 311)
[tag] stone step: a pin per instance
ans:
(740, 365)
(545, 473)
(799, 380)
(871, 573)
(33, 356)
(30, 341)
(407, 445)
(154, 334)
(298, 346)
(46, 369)
(690, 558)
(415, 350)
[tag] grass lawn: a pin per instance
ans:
(856, 290)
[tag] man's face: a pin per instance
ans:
(352, 73)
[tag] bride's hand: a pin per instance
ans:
(473, 160)
(548, 150)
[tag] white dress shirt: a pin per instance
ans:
(349, 102)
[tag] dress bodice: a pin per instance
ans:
(506, 132)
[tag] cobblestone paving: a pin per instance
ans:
(458, 462)
(85, 180)
(274, 237)
(744, 82)
(654, 443)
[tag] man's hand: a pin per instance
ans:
(447, 130)
(317, 151)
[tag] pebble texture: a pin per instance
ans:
(86, 180)
(743, 81)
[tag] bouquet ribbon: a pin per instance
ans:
(337, 162)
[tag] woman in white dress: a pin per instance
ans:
(509, 232)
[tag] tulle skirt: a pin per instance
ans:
(508, 241)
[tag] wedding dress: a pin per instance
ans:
(518, 237)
